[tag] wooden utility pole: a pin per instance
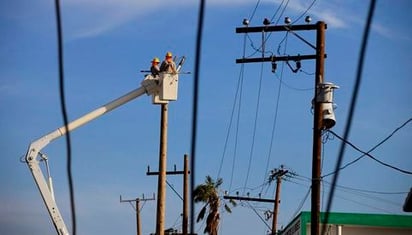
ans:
(317, 129)
(161, 183)
(137, 209)
(185, 197)
(320, 56)
(277, 174)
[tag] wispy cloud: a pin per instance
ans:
(89, 18)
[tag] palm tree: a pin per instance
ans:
(208, 194)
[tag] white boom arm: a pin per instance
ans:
(32, 155)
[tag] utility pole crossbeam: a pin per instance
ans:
(318, 124)
(185, 198)
(249, 199)
(138, 200)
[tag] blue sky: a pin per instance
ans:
(107, 43)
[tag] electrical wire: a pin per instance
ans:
(291, 87)
(260, 217)
(231, 121)
(351, 110)
(369, 155)
(302, 202)
(304, 13)
(272, 137)
(372, 149)
(254, 125)
(254, 11)
(236, 133)
(174, 190)
(238, 90)
(64, 113)
(276, 12)
(195, 111)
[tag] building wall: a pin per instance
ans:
(363, 230)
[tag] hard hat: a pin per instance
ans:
(156, 60)
(169, 54)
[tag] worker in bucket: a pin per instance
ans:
(154, 69)
(168, 65)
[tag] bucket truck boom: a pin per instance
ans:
(162, 88)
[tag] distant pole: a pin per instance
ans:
(276, 206)
(317, 129)
(137, 201)
(185, 195)
(138, 226)
(161, 188)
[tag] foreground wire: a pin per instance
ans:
(195, 106)
(351, 110)
(64, 113)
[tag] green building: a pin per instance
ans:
(353, 224)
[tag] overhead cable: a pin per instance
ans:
(351, 110)
(64, 113)
(195, 110)
(369, 155)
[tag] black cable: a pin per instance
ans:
(260, 217)
(351, 109)
(254, 11)
(276, 12)
(306, 11)
(195, 111)
(237, 133)
(252, 147)
(376, 146)
(64, 113)
(275, 119)
(369, 155)
(174, 190)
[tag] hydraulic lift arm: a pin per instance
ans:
(34, 156)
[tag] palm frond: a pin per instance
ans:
(227, 208)
(201, 214)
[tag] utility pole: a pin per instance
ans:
(317, 129)
(185, 219)
(276, 174)
(161, 183)
(137, 209)
(318, 125)
(185, 198)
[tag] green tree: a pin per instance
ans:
(208, 194)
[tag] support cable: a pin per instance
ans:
(64, 113)
(257, 213)
(351, 110)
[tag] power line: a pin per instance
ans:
(255, 125)
(272, 137)
(64, 113)
(304, 13)
(254, 11)
(260, 217)
(369, 155)
(376, 146)
(195, 111)
(351, 109)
